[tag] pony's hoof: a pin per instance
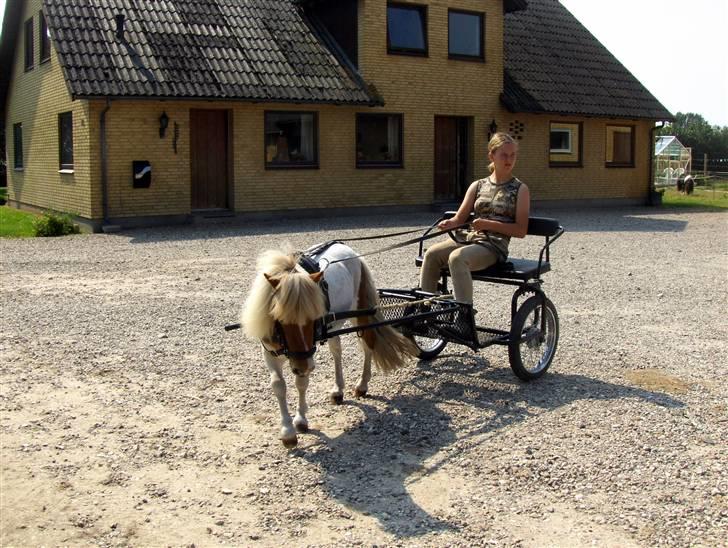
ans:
(360, 393)
(289, 443)
(337, 399)
(302, 427)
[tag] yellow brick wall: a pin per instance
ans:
(593, 181)
(35, 99)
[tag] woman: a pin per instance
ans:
(501, 204)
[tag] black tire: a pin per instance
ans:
(428, 348)
(529, 350)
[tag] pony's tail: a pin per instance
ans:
(388, 346)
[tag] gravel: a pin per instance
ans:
(130, 417)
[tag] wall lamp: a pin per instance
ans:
(163, 123)
(492, 129)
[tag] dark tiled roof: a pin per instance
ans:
(553, 64)
(258, 50)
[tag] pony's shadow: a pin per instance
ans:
(391, 446)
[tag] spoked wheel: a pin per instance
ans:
(532, 343)
(428, 348)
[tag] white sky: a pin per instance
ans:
(677, 49)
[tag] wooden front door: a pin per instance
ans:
(451, 157)
(209, 158)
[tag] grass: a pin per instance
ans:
(15, 223)
(706, 197)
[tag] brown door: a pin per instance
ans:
(451, 157)
(209, 158)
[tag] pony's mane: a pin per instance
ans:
(297, 299)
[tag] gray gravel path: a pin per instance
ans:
(129, 417)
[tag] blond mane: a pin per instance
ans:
(296, 300)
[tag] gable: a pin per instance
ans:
(554, 64)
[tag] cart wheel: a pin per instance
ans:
(428, 348)
(531, 350)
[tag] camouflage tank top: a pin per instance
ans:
(496, 203)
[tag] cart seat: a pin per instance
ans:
(513, 269)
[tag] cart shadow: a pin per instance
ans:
(391, 446)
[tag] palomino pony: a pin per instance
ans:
(283, 307)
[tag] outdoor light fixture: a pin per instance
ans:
(492, 128)
(163, 123)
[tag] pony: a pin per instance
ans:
(283, 308)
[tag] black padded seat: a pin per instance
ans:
(513, 269)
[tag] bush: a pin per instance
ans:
(53, 224)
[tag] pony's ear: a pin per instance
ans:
(272, 281)
(316, 276)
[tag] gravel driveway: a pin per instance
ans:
(129, 417)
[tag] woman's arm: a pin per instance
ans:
(519, 228)
(466, 207)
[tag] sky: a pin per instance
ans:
(675, 48)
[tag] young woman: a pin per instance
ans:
(501, 204)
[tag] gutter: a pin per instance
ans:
(652, 199)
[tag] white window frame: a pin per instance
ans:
(571, 141)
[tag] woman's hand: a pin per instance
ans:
(447, 224)
(479, 225)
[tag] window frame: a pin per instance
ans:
(61, 117)
(632, 132)
(45, 40)
(28, 45)
(576, 147)
(422, 10)
(18, 160)
(316, 140)
(380, 164)
(463, 56)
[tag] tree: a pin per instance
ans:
(695, 132)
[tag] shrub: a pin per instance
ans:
(53, 224)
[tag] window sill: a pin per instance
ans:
(44, 61)
(66, 171)
(471, 58)
(566, 164)
(291, 166)
(18, 169)
(619, 165)
(376, 165)
(407, 52)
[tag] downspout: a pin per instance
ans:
(106, 227)
(652, 200)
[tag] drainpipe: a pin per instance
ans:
(651, 199)
(106, 226)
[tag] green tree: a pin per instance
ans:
(695, 132)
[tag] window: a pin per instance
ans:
(18, 146)
(379, 140)
(407, 29)
(565, 144)
(291, 139)
(620, 146)
(65, 140)
(28, 38)
(465, 35)
(45, 39)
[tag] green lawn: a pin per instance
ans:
(15, 223)
(701, 197)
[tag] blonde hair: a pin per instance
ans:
(497, 141)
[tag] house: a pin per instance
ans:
(130, 114)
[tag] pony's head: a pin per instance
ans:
(282, 308)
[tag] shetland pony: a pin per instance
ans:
(281, 311)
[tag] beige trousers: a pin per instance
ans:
(461, 259)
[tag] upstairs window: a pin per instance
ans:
(291, 139)
(406, 29)
(620, 146)
(18, 146)
(65, 140)
(465, 35)
(565, 144)
(45, 39)
(28, 41)
(378, 140)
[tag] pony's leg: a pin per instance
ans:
(300, 421)
(275, 366)
(337, 394)
(366, 374)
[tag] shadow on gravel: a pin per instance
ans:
(646, 219)
(392, 446)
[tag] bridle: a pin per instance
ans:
(281, 344)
